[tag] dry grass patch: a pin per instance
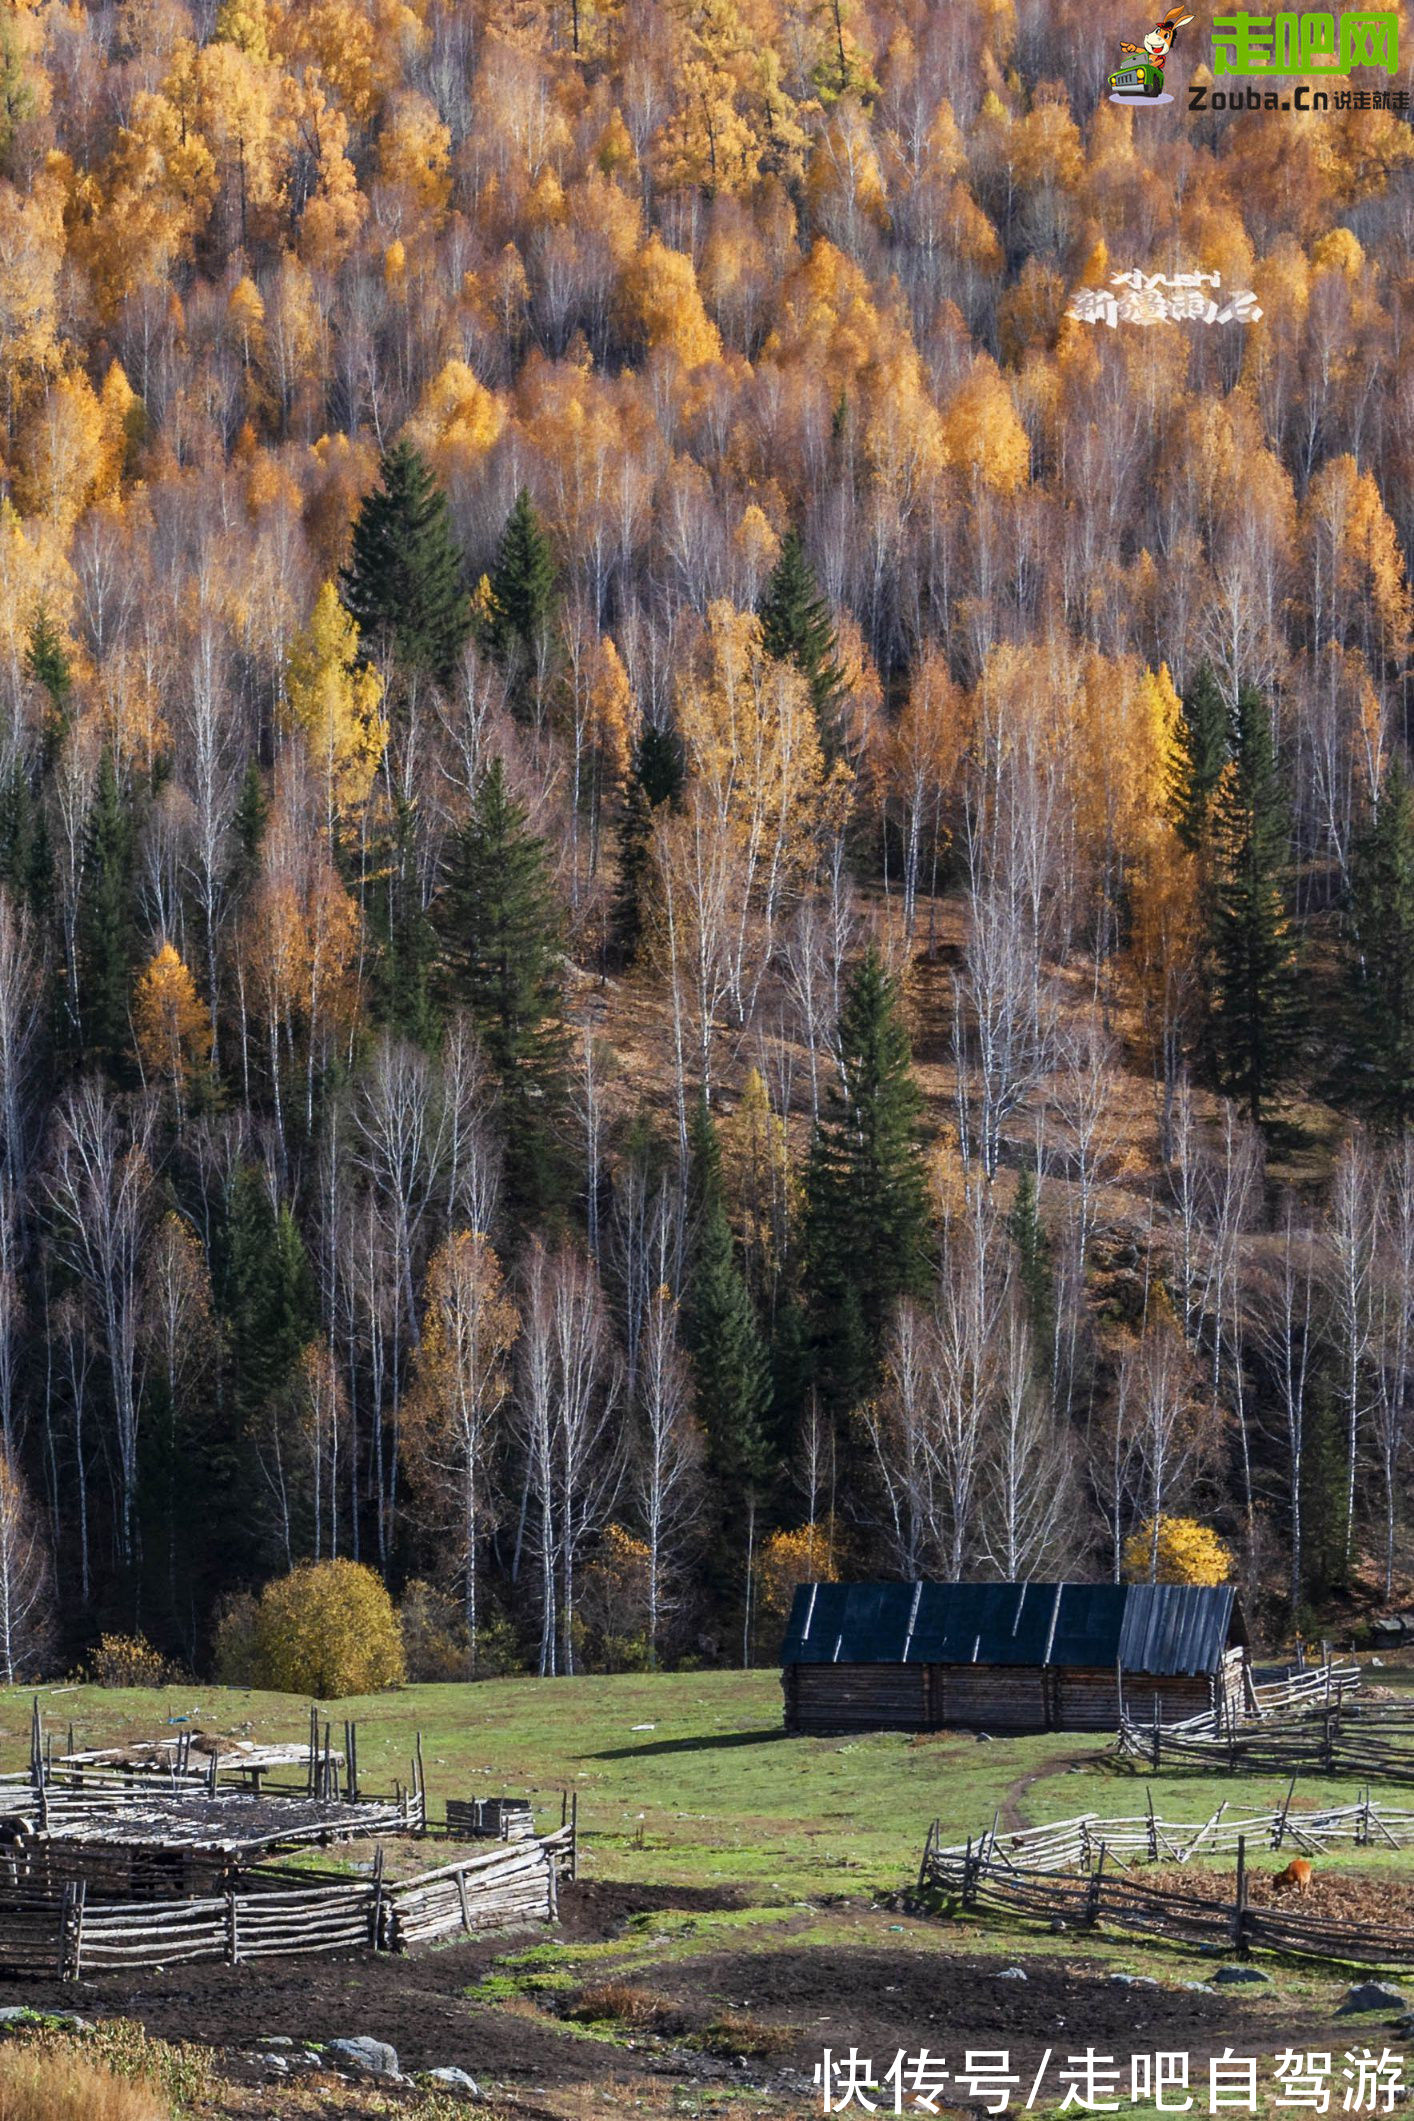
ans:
(618, 2003)
(738, 2033)
(60, 2083)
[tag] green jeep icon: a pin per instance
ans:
(1138, 79)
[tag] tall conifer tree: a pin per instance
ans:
(500, 935)
(1255, 995)
(730, 1367)
(796, 627)
(403, 581)
(1381, 955)
(657, 779)
(1203, 735)
(522, 585)
(867, 1237)
(105, 924)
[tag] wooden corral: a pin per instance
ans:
(1087, 1872)
(1342, 1736)
(1007, 1657)
(130, 1857)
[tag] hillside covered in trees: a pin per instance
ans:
(689, 892)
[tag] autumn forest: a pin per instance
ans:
(690, 893)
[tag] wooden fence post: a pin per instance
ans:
(421, 1784)
(1239, 1907)
(375, 1918)
(1092, 1898)
(66, 1917)
(1155, 1740)
(574, 1833)
(1153, 1825)
(233, 1943)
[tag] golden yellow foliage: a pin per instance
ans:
(457, 419)
(761, 1191)
(982, 432)
(1187, 1552)
(335, 703)
(61, 451)
(414, 153)
(663, 305)
(326, 1630)
(33, 571)
(789, 1559)
(172, 1028)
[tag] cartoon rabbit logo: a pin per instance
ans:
(1141, 68)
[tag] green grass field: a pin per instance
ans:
(685, 1777)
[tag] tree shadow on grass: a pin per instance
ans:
(691, 1745)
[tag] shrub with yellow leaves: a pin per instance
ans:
(1184, 1551)
(328, 1629)
(789, 1559)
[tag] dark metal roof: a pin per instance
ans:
(1156, 1628)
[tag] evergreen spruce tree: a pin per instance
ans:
(411, 953)
(1380, 976)
(1203, 735)
(1254, 975)
(796, 627)
(403, 581)
(24, 844)
(251, 812)
(730, 1369)
(522, 587)
(106, 938)
(499, 929)
(657, 780)
(867, 1213)
(47, 662)
(1033, 1259)
(269, 1302)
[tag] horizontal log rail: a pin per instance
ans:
(65, 1932)
(1081, 1872)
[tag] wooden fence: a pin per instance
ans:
(1333, 1735)
(1306, 1686)
(1080, 1872)
(64, 1932)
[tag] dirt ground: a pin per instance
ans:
(1382, 1898)
(754, 2017)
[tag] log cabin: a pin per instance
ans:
(1010, 1657)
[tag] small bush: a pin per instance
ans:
(326, 1630)
(128, 1660)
